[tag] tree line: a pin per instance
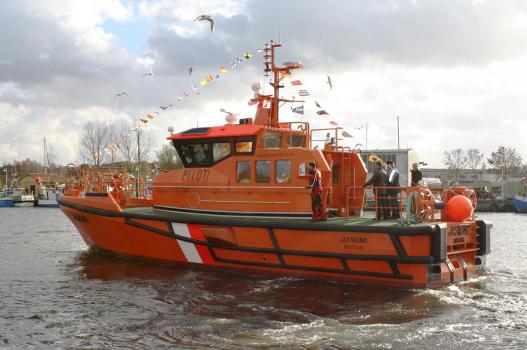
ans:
(504, 160)
(121, 142)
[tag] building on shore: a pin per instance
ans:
(49, 181)
(485, 181)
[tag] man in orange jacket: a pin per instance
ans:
(317, 202)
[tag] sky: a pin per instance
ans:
(455, 72)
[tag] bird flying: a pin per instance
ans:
(206, 18)
(149, 74)
(330, 83)
(120, 94)
(230, 117)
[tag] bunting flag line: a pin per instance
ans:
(317, 104)
(141, 122)
(322, 112)
(296, 82)
(286, 74)
(303, 93)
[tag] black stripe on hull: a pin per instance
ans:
(401, 256)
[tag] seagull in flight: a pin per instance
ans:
(163, 107)
(149, 74)
(120, 94)
(206, 18)
(330, 83)
(230, 117)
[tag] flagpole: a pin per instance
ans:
(138, 163)
(398, 147)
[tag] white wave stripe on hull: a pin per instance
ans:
(189, 249)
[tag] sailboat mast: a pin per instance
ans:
(46, 156)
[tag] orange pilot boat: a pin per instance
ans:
(241, 203)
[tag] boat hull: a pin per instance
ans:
(520, 203)
(6, 202)
(417, 256)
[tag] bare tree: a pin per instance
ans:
(505, 159)
(124, 142)
(474, 158)
(167, 158)
(455, 160)
(126, 136)
(94, 139)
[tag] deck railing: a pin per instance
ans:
(410, 204)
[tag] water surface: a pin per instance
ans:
(54, 293)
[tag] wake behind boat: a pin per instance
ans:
(241, 203)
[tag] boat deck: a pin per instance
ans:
(332, 224)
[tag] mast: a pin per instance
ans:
(46, 158)
(270, 56)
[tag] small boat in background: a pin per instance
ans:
(520, 203)
(47, 197)
(5, 200)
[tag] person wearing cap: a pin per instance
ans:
(393, 190)
(378, 182)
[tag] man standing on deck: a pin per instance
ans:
(378, 181)
(417, 175)
(393, 193)
(317, 203)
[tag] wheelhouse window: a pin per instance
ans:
(244, 147)
(195, 154)
(272, 139)
(283, 171)
(243, 172)
(220, 150)
(295, 141)
(263, 171)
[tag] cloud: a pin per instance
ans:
(450, 71)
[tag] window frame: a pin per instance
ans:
(276, 171)
(270, 176)
(250, 172)
(210, 141)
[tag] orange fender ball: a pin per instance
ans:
(459, 208)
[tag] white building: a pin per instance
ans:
(403, 159)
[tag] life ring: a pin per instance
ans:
(420, 205)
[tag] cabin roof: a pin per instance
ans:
(217, 131)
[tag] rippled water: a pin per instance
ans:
(56, 294)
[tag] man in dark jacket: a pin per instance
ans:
(378, 181)
(417, 175)
(393, 193)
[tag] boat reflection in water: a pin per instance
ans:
(229, 296)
